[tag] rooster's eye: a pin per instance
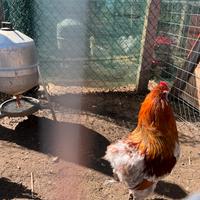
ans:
(165, 94)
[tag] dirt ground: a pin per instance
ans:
(60, 160)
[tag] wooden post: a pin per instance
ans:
(147, 43)
(188, 68)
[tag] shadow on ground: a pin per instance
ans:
(11, 190)
(119, 106)
(122, 107)
(71, 142)
(170, 190)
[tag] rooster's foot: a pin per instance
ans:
(110, 181)
(130, 197)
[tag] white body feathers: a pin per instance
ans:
(129, 166)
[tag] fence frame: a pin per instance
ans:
(148, 41)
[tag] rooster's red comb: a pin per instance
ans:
(163, 83)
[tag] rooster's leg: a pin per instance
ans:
(18, 103)
(115, 176)
(114, 180)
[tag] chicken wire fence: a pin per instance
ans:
(180, 62)
(95, 43)
(113, 43)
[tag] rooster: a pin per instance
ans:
(149, 152)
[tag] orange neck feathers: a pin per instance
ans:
(156, 131)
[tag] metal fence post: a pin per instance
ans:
(147, 43)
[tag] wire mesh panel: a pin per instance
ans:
(116, 28)
(95, 43)
(19, 12)
(177, 55)
(98, 43)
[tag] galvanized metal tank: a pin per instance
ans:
(18, 61)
